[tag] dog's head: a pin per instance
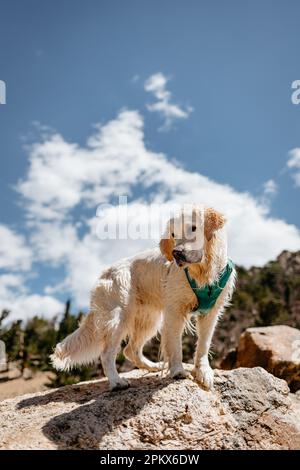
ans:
(188, 234)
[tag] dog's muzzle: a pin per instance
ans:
(179, 257)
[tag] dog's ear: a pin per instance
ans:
(213, 220)
(166, 245)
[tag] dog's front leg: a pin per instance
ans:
(171, 345)
(202, 371)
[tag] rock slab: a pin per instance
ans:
(249, 409)
(275, 348)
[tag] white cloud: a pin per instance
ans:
(116, 161)
(16, 259)
(14, 254)
(73, 175)
(156, 84)
(22, 305)
(26, 306)
(34, 304)
(270, 188)
(10, 282)
(294, 164)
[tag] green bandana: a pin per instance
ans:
(208, 295)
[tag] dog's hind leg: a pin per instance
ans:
(112, 336)
(145, 325)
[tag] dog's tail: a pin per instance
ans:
(79, 348)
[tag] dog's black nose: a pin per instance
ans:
(178, 255)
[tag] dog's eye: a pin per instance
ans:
(194, 228)
(173, 234)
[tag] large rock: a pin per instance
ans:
(249, 409)
(275, 348)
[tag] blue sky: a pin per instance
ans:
(70, 64)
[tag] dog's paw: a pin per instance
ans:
(204, 375)
(179, 374)
(121, 384)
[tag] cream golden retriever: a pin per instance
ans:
(150, 292)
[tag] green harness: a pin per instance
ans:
(208, 295)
